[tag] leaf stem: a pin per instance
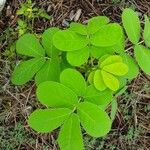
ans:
(133, 46)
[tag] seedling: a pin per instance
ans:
(109, 67)
(70, 103)
(99, 49)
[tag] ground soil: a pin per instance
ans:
(131, 128)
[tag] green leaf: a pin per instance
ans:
(147, 31)
(70, 136)
(98, 81)
(91, 77)
(67, 40)
(54, 94)
(25, 71)
(110, 81)
(78, 28)
(133, 69)
(95, 23)
(114, 107)
(98, 97)
(29, 45)
(109, 60)
(131, 24)
(79, 57)
(73, 80)
(118, 69)
(94, 120)
(49, 119)
(142, 55)
(50, 71)
(102, 39)
(47, 41)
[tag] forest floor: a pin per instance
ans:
(131, 128)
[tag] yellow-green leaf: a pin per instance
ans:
(118, 69)
(110, 60)
(98, 81)
(110, 81)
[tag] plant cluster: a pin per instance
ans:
(29, 13)
(73, 98)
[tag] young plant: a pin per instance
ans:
(42, 61)
(69, 100)
(27, 13)
(105, 76)
(70, 103)
(29, 10)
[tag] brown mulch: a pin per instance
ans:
(17, 102)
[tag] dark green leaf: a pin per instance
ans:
(25, 71)
(29, 45)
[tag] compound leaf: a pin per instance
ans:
(78, 28)
(67, 40)
(118, 69)
(70, 136)
(73, 80)
(102, 39)
(25, 71)
(47, 42)
(95, 23)
(133, 69)
(98, 81)
(94, 120)
(54, 94)
(147, 31)
(50, 71)
(131, 24)
(110, 81)
(46, 120)
(142, 55)
(98, 97)
(29, 45)
(79, 57)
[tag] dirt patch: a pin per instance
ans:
(131, 129)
